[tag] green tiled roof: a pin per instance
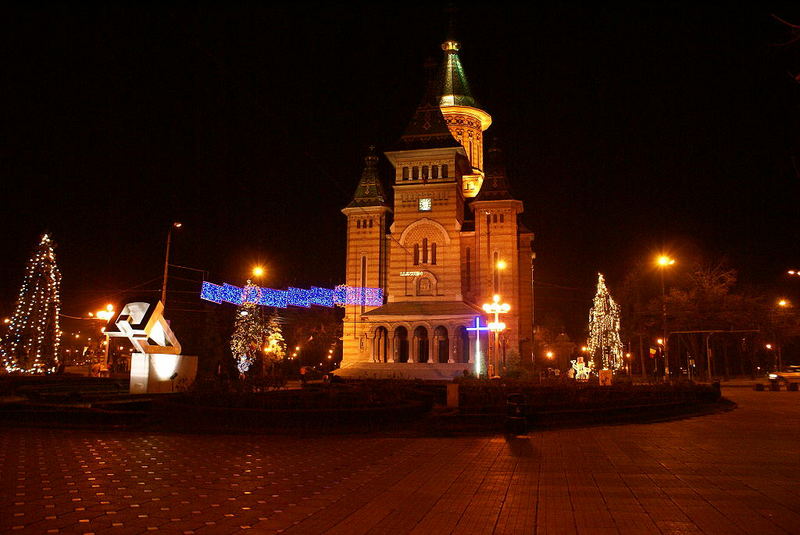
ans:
(455, 88)
(369, 191)
(495, 182)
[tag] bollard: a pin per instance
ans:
(452, 396)
(516, 414)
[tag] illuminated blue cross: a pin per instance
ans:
(478, 328)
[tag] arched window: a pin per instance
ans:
(424, 172)
(496, 273)
(435, 172)
(405, 173)
(416, 254)
(424, 250)
(433, 253)
(415, 172)
(444, 171)
(469, 268)
(363, 281)
(502, 218)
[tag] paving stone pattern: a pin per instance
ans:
(735, 472)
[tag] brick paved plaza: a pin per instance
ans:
(734, 472)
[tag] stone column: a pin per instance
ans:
(395, 348)
(412, 351)
(451, 345)
(433, 349)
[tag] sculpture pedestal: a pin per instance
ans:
(159, 373)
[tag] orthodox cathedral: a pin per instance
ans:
(449, 240)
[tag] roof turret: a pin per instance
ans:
(369, 191)
(455, 89)
(495, 183)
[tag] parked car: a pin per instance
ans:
(789, 374)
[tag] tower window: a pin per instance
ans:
(433, 253)
(358, 223)
(405, 173)
(424, 172)
(494, 218)
(469, 268)
(501, 218)
(496, 272)
(444, 171)
(424, 250)
(370, 223)
(416, 254)
(363, 281)
(434, 172)
(415, 173)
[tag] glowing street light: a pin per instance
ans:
(258, 271)
(549, 355)
(175, 224)
(783, 303)
(768, 346)
(663, 262)
(501, 264)
(496, 326)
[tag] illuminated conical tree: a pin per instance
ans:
(604, 344)
(31, 344)
(249, 332)
(274, 345)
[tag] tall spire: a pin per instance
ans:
(369, 191)
(427, 128)
(495, 184)
(455, 88)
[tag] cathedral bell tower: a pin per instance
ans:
(367, 254)
(465, 119)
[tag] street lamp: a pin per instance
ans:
(175, 224)
(549, 355)
(258, 271)
(496, 326)
(664, 262)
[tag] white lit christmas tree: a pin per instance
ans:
(249, 333)
(274, 346)
(604, 344)
(33, 338)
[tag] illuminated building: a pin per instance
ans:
(449, 241)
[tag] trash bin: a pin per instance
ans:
(516, 414)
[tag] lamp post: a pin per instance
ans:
(496, 326)
(782, 305)
(175, 224)
(664, 262)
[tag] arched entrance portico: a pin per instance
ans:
(421, 344)
(380, 346)
(442, 343)
(400, 344)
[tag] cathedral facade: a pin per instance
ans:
(449, 241)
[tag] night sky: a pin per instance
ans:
(624, 129)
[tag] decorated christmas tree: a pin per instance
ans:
(249, 332)
(31, 343)
(604, 344)
(274, 346)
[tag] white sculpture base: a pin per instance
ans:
(159, 373)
